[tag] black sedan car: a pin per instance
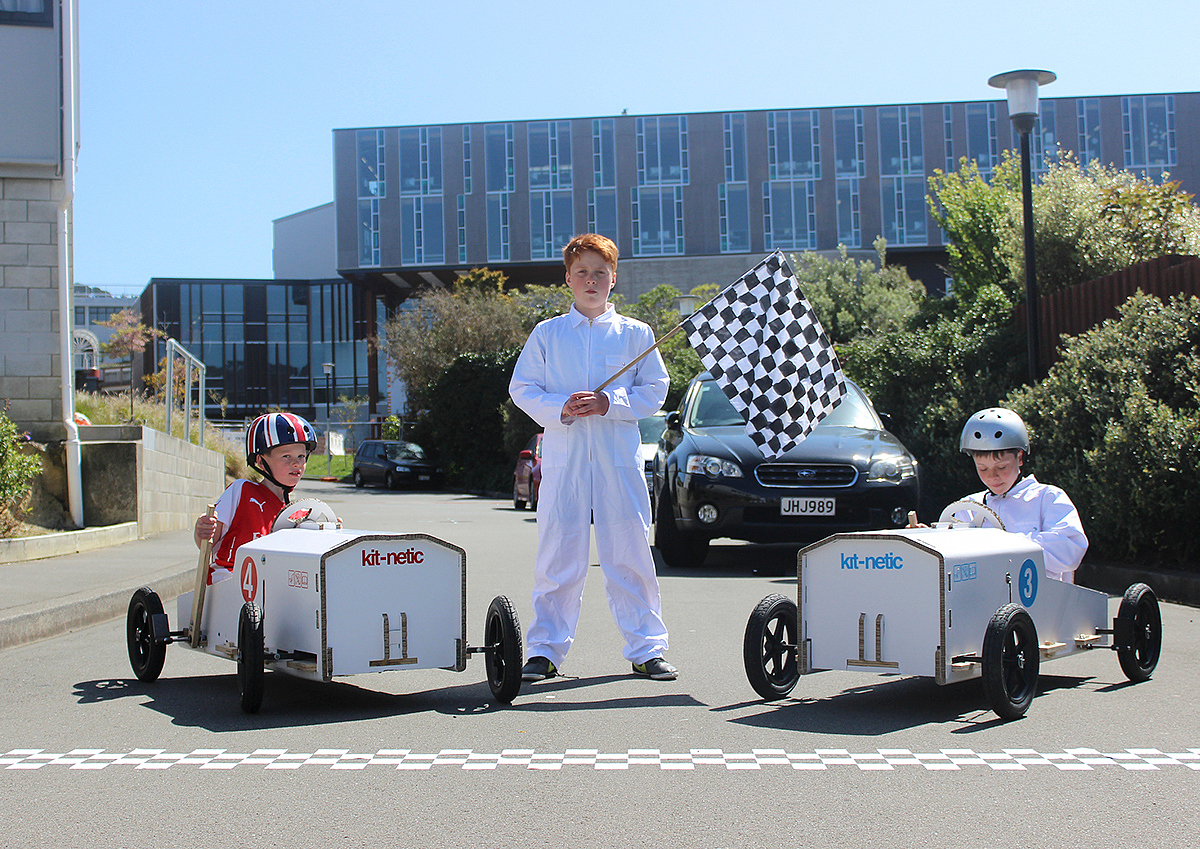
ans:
(711, 480)
(394, 463)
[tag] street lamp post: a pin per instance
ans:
(1021, 87)
(328, 367)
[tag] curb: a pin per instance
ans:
(21, 549)
(1176, 587)
(81, 612)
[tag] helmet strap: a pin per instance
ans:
(265, 471)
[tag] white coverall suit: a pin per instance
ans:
(1046, 515)
(592, 470)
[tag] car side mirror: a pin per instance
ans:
(888, 422)
(674, 420)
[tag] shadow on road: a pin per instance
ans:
(890, 705)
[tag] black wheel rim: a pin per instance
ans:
(495, 643)
(1018, 662)
(778, 657)
(140, 638)
(1146, 631)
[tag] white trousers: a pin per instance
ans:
(615, 498)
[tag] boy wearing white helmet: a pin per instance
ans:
(277, 447)
(996, 439)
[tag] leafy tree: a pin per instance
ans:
(129, 337)
(853, 298)
(422, 342)
(1088, 222)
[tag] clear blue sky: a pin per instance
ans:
(204, 121)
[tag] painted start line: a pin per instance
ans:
(405, 759)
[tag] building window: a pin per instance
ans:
(1148, 131)
(34, 13)
(421, 160)
(733, 200)
(793, 145)
(604, 153)
(981, 136)
(466, 159)
(948, 134)
(901, 141)
(1087, 111)
(662, 151)
(848, 213)
(498, 151)
(497, 224)
(789, 215)
(735, 148)
(849, 150)
(550, 155)
(658, 221)
(368, 232)
(1044, 139)
(602, 212)
(903, 210)
(372, 164)
(462, 228)
(551, 223)
(422, 231)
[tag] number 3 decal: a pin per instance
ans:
(249, 579)
(1027, 583)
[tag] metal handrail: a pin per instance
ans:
(190, 362)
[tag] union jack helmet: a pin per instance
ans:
(272, 429)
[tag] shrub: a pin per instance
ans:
(1116, 423)
(17, 469)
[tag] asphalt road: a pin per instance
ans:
(91, 757)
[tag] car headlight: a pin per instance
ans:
(895, 468)
(714, 467)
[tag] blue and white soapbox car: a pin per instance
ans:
(316, 600)
(954, 601)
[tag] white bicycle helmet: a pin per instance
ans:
(994, 429)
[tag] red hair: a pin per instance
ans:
(590, 242)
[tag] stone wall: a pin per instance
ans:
(31, 376)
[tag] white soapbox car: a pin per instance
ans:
(952, 602)
(315, 600)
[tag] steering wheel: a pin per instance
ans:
(979, 514)
(307, 512)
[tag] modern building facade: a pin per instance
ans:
(265, 343)
(701, 197)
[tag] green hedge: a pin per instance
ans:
(1116, 423)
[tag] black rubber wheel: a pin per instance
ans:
(1141, 656)
(502, 641)
(769, 649)
(250, 671)
(518, 502)
(358, 479)
(678, 548)
(146, 656)
(1010, 662)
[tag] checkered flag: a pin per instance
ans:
(761, 341)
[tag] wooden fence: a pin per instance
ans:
(1079, 308)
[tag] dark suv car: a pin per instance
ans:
(394, 463)
(710, 479)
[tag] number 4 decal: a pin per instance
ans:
(249, 579)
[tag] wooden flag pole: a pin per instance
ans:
(642, 355)
(201, 584)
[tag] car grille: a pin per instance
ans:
(805, 475)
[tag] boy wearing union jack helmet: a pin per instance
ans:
(277, 447)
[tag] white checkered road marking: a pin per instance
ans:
(818, 759)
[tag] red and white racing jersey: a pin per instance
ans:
(246, 510)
